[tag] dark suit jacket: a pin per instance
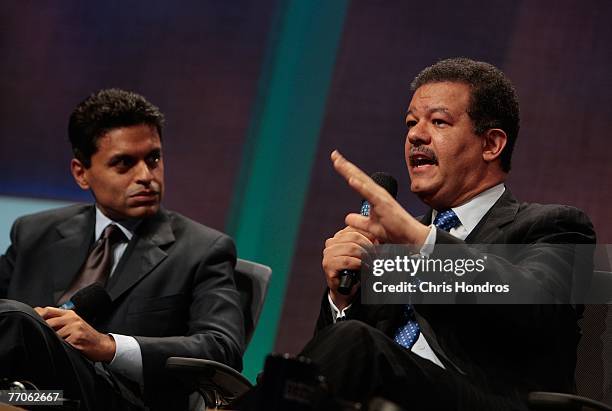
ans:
(173, 289)
(504, 348)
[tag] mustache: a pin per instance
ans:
(426, 151)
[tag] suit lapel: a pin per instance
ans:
(432, 341)
(143, 254)
(63, 258)
(489, 229)
(426, 219)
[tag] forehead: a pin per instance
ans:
(129, 140)
(451, 96)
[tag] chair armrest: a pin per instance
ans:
(559, 401)
(218, 383)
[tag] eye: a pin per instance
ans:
(122, 163)
(153, 159)
(410, 124)
(439, 122)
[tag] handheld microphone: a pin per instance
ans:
(89, 302)
(349, 277)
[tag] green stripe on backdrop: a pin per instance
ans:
(280, 148)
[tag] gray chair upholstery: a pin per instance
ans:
(542, 400)
(217, 383)
(252, 281)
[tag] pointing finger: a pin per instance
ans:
(357, 179)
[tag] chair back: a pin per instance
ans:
(594, 355)
(252, 280)
(594, 363)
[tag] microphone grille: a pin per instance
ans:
(386, 181)
(91, 301)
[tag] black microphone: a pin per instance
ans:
(349, 277)
(89, 302)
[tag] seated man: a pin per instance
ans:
(462, 124)
(170, 279)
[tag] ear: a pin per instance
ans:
(493, 142)
(79, 172)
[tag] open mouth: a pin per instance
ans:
(420, 160)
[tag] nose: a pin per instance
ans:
(417, 135)
(144, 174)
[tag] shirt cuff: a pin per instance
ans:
(128, 358)
(428, 246)
(337, 314)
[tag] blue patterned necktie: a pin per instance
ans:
(408, 334)
(446, 219)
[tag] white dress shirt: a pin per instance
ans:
(128, 357)
(469, 213)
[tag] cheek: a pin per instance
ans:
(407, 151)
(469, 155)
(116, 188)
(114, 193)
(459, 162)
(159, 176)
(159, 173)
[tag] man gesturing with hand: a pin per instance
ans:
(462, 125)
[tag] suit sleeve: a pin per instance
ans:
(325, 314)
(382, 317)
(215, 325)
(7, 262)
(551, 250)
(556, 257)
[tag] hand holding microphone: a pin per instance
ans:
(343, 252)
(89, 302)
(71, 322)
(348, 277)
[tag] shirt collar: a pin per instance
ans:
(471, 212)
(103, 221)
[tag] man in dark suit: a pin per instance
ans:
(170, 279)
(462, 122)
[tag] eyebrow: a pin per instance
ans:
(118, 157)
(124, 156)
(442, 110)
(155, 151)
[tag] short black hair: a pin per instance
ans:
(493, 99)
(104, 111)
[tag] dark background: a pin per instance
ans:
(556, 52)
(201, 63)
